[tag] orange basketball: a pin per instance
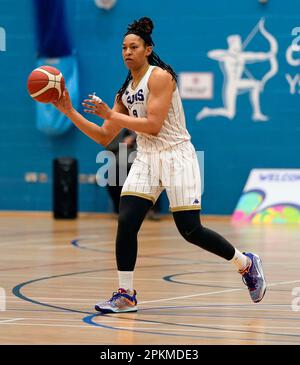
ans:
(46, 84)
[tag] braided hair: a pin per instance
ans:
(143, 28)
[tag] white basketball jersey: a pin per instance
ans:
(173, 130)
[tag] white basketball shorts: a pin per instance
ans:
(175, 169)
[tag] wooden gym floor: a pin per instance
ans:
(53, 272)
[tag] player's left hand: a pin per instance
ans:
(94, 105)
(64, 104)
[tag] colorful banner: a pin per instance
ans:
(270, 196)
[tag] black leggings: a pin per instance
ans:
(133, 210)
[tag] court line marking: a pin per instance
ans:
(173, 298)
(249, 309)
(160, 329)
(261, 308)
(90, 320)
(215, 292)
(4, 321)
(205, 328)
(111, 320)
(21, 285)
(45, 325)
(118, 320)
(43, 319)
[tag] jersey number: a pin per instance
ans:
(134, 112)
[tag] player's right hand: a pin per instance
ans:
(64, 104)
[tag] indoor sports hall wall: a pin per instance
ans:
(260, 126)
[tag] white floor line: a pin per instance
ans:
(11, 320)
(215, 292)
(131, 328)
(49, 325)
(191, 296)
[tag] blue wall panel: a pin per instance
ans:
(184, 33)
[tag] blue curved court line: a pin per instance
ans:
(17, 290)
(76, 243)
(90, 320)
(35, 233)
(169, 278)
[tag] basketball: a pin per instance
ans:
(46, 84)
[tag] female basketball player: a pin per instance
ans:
(149, 104)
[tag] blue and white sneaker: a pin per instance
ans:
(122, 301)
(254, 278)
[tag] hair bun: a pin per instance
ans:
(144, 25)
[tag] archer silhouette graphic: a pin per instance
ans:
(233, 64)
